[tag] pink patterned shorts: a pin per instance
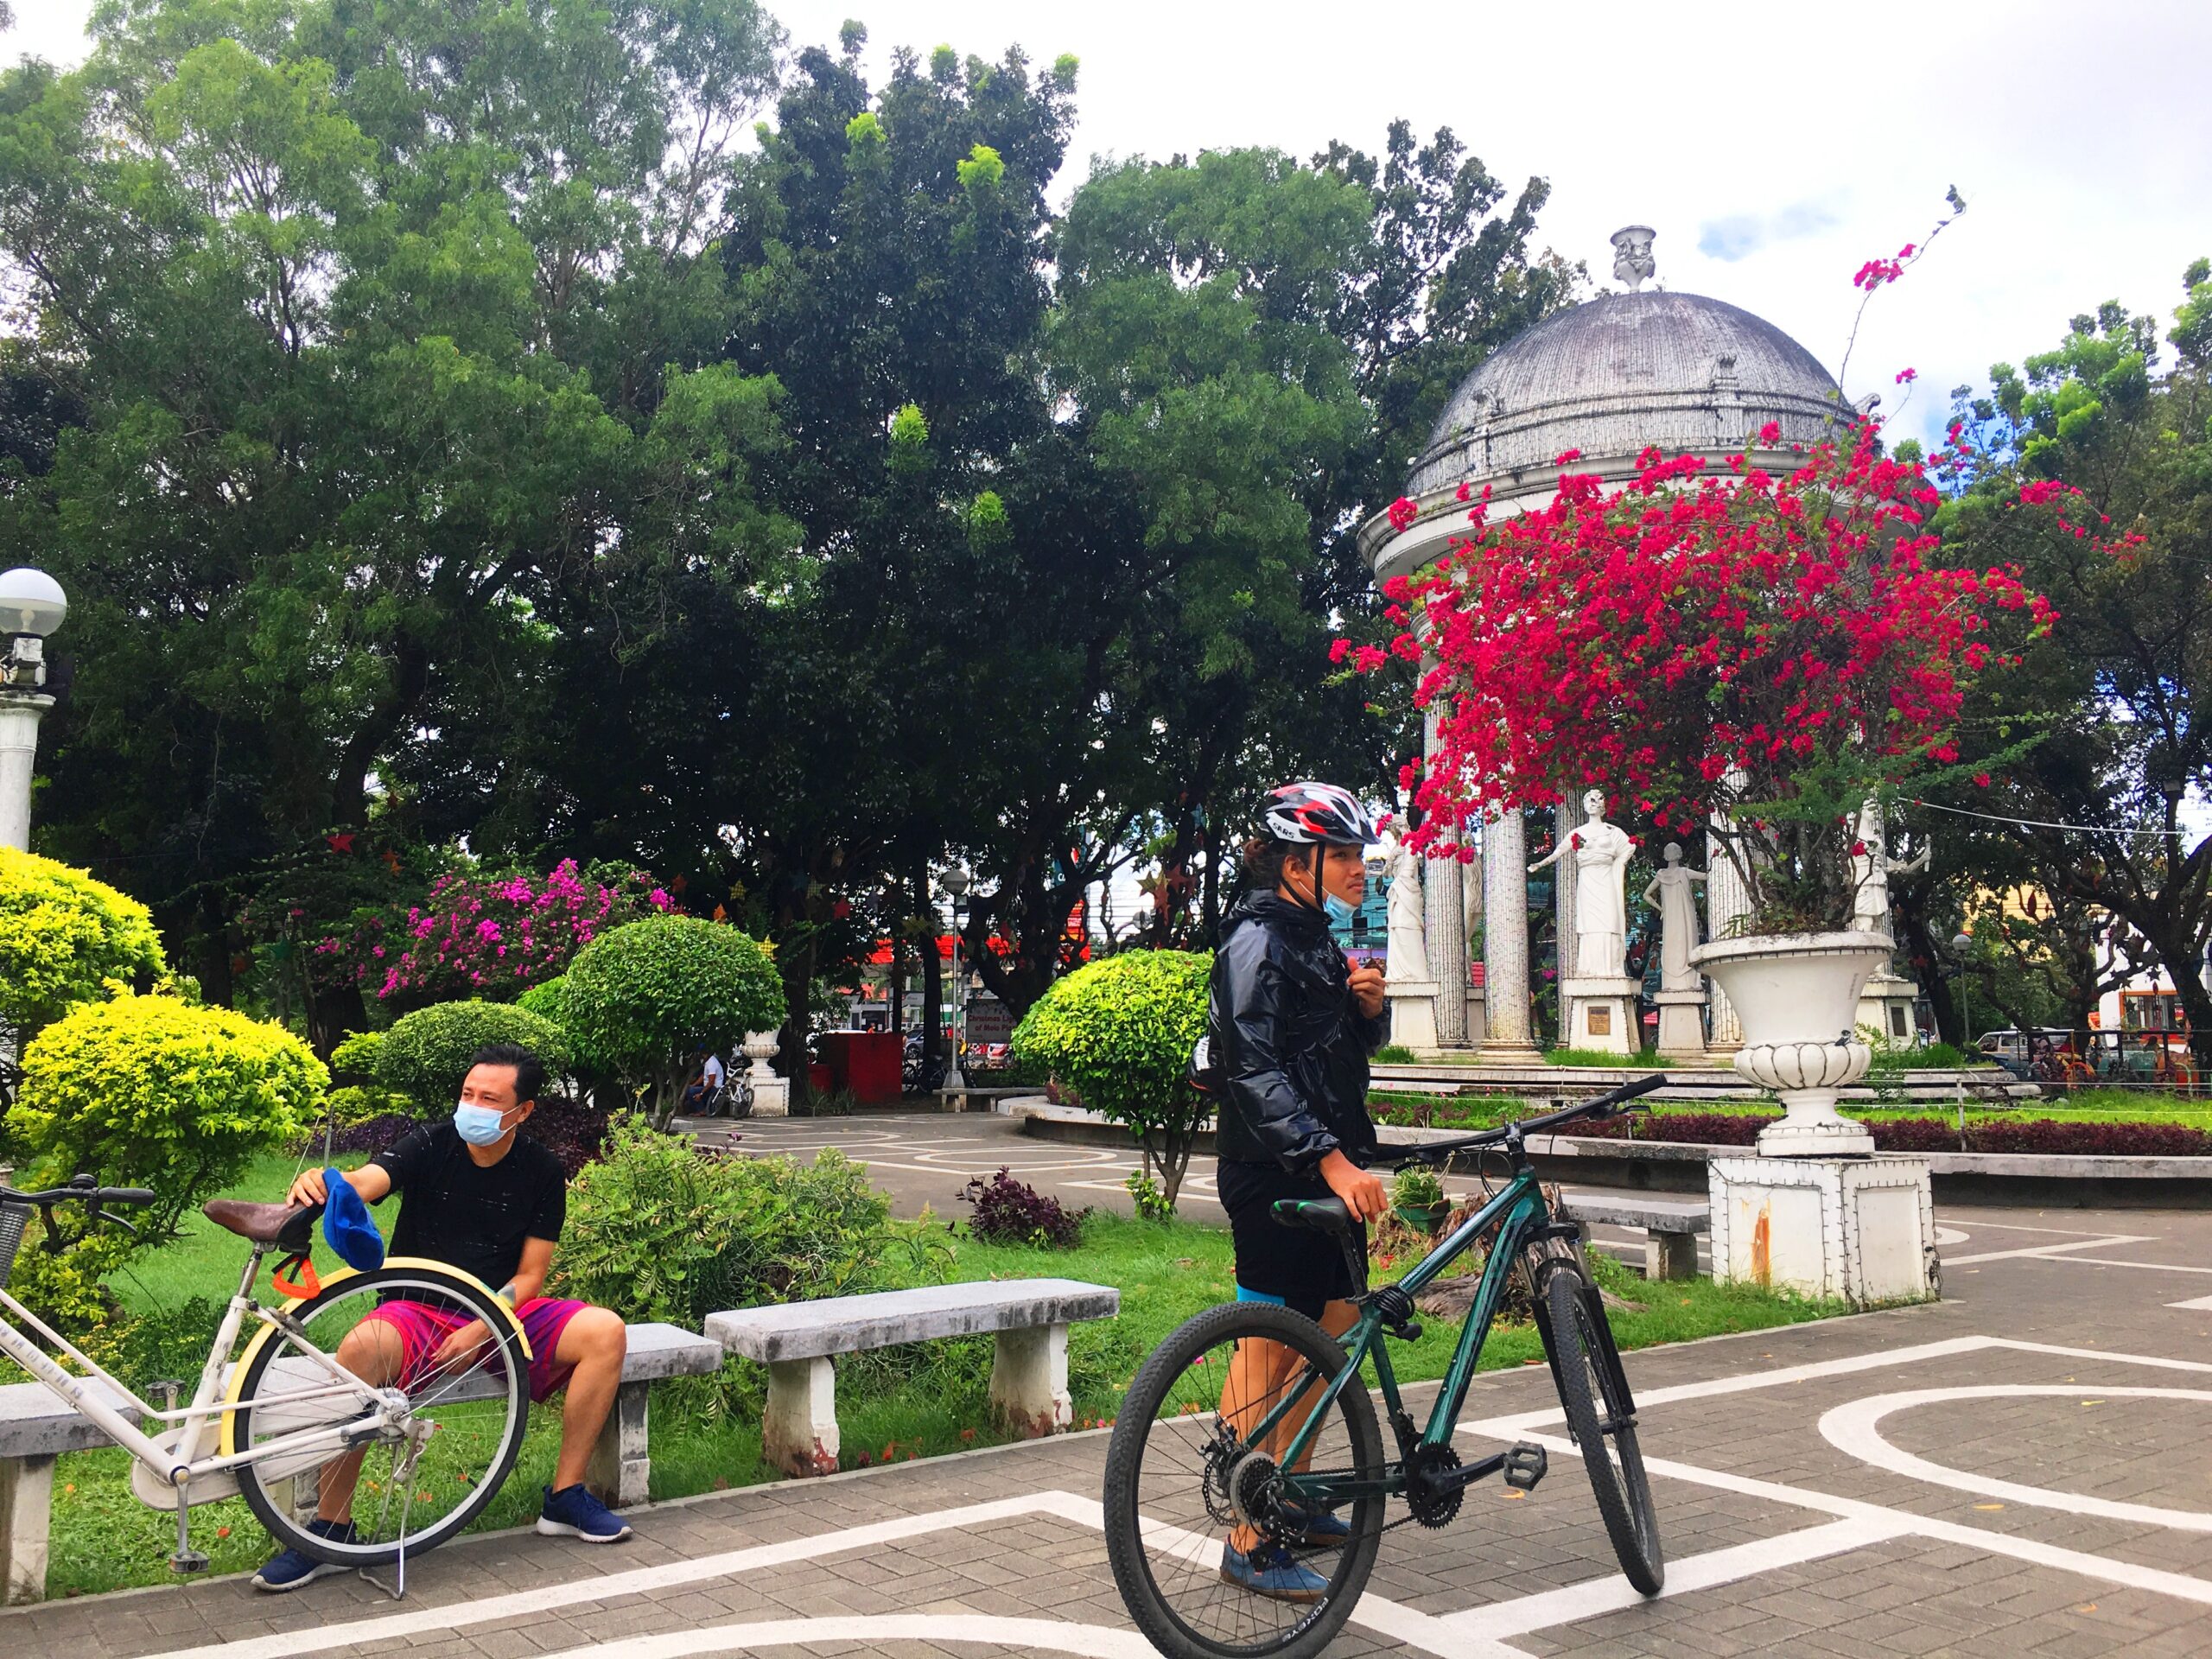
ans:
(422, 1328)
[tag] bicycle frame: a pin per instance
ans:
(183, 1465)
(1520, 1215)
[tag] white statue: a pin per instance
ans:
(1871, 868)
(1406, 941)
(1601, 855)
(1674, 890)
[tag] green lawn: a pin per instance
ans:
(899, 1403)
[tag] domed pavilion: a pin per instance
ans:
(1607, 379)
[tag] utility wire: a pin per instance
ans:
(2046, 824)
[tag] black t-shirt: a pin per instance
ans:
(453, 1209)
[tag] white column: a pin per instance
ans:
(20, 713)
(1565, 824)
(1444, 916)
(1505, 937)
(1726, 900)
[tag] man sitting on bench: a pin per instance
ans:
(475, 1197)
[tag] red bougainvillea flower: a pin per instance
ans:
(1403, 511)
(1693, 641)
(1906, 376)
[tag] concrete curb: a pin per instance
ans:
(2042, 1179)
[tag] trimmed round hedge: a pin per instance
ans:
(62, 935)
(641, 999)
(1120, 1031)
(426, 1054)
(151, 1091)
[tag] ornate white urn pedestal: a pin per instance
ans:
(1600, 1014)
(1817, 1210)
(772, 1095)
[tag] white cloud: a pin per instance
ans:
(2084, 152)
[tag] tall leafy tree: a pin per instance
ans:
(386, 322)
(2119, 695)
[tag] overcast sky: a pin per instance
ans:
(1775, 148)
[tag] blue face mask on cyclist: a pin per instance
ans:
(1339, 911)
(481, 1126)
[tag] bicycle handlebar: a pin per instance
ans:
(1609, 1103)
(84, 1191)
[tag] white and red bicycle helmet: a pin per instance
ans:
(1306, 812)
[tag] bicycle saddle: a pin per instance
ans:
(1322, 1215)
(283, 1224)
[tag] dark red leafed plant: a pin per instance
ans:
(1011, 1211)
(1779, 648)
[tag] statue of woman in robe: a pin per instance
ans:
(1601, 854)
(1674, 889)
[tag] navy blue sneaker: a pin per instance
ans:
(292, 1569)
(573, 1512)
(1269, 1571)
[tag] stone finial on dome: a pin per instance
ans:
(1632, 262)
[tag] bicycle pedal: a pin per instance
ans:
(184, 1562)
(1526, 1465)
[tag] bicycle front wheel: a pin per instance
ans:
(1601, 1416)
(1193, 1471)
(417, 1476)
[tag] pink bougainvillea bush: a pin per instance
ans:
(1778, 648)
(489, 937)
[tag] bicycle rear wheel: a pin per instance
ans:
(1601, 1417)
(414, 1482)
(1184, 1477)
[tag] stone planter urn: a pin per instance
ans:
(1797, 996)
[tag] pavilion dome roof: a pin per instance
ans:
(1690, 374)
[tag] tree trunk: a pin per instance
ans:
(933, 973)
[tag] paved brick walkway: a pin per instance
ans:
(2024, 1470)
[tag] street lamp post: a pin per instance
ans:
(32, 606)
(956, 883)
(1961, 944)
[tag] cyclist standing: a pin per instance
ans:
(1289, 1028)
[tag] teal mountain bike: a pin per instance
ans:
(1251, 1427)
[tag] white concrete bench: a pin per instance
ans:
(35, 1427)
(1670, 1225)
(795, 1340)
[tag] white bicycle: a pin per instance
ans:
(285, 1424)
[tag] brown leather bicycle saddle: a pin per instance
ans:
(289, 1225)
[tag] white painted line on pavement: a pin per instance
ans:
(2195, 1304)
(2049, 1251)
(1853, 1428)
(2154, 1266)
(1023, 1635)
(642, 1580)
(1593, 1597)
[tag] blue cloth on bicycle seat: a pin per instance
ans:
(347, 1227)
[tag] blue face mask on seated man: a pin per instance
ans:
(480, 1126)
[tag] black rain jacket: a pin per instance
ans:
(1286, 1042)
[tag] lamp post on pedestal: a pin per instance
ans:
(956, 883)
(1961, 944)
(32, 606)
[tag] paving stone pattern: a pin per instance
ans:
(1780, 1538)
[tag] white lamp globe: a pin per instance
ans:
(31, 602)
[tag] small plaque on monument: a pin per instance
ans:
(1601, 1019)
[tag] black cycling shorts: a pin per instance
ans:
(1305, 1268)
